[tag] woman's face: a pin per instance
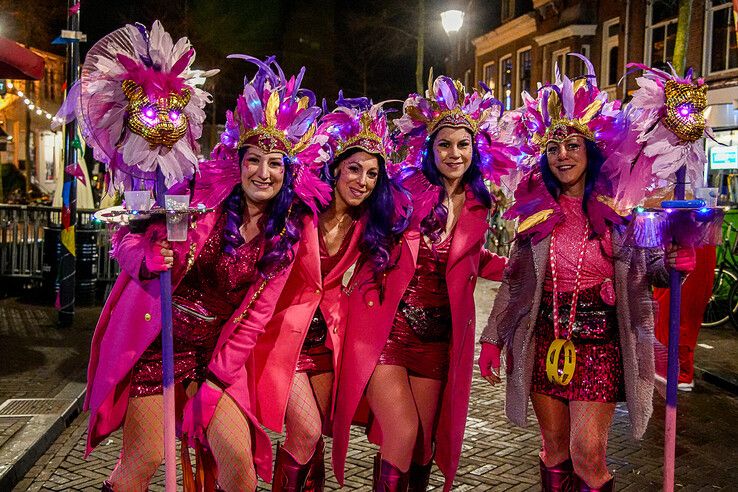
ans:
(262, 174)
(356, 176)
(452, 152)
(567, 161)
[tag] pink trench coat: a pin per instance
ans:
(277, 351)
(130, 321)
(369, 325)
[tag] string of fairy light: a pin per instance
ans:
(31, 105)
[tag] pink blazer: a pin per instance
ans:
(131, 320)
(277, 351)
(369, 324)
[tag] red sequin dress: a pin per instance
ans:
(205, 298)
(315, 356)
(421, 331)
(598, 375)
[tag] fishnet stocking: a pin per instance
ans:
(577, 429)
(322, 384)
(142, 451)
(426, 393)
(229, 435)
(303, 423)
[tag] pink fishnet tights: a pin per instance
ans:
(229, 435)
(578, 429)
(306, 413)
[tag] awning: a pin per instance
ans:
(17, 62)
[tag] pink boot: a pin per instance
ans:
(556, 478)
(289, 475)
(387, 477)
(581, 486)
(315, 480)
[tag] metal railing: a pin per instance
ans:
(25, 230)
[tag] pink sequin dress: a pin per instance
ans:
(421, 331)
(315, 356)
(202, 302)
(598, 375)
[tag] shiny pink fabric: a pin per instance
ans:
(597, 265)
(130, 321)
(276, 353)
(370, 322)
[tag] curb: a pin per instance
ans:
(716, 379)
(25, 447)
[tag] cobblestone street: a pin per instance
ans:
(496, 455)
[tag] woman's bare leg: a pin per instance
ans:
(553, 419)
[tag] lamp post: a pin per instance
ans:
(452, 20)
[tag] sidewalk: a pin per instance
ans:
(42, 381)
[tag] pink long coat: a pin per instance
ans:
(277, 351)
(369, 324)
(131, 320)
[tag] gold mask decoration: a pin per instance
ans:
(685, 109)
(162, 122)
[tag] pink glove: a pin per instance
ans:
(489, 362)
(682, 259)
(158, 257)
(198, 412)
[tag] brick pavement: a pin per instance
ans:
(496, 455)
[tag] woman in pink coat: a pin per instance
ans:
(296, 358)
(227, 276)
(409, 342)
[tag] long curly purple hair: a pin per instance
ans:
(383, 229)
(434, 223)
(284, 213)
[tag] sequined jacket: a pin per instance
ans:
(516, 308)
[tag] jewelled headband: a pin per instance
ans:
(366, 140)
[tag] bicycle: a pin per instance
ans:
(723, 304)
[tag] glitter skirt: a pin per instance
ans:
(195, 333)
(315, 357)
(426, 359)
(598, 375)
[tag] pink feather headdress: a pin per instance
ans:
(277, 115)
(447, 104)
(139, 106)
(666, 127)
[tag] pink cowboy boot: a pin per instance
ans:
(387, 477)
(289, 475)
(581, 486)
(315, 480)
(556, 478)
(419, 475)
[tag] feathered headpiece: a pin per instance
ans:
(356, 123)
(138, 105)
(447, 104)
(277, 115)
(667, 123)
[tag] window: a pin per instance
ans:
(610, 51)
(507, 10)
(489, 76)
(721, 50)
(558, 59)
(524, 67)
(661, 26)
(506, 80)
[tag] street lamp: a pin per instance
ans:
(452, 20)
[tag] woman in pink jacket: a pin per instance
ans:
(296, 357)
(227, 276)
(409, 342)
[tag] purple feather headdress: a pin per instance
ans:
(447, 104)
(356, 123)
(139, 106)
(277, 115)
(666, 124)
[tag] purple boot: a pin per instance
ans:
(387, 477)
(581, 486)
(556, 478)
(418, 476)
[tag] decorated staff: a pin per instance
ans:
(139, 107)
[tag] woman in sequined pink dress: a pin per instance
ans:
(297, 357)
(574, 283)
(408, 349)
(226, 278)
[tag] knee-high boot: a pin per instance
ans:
(106, 487)
(418, 476)
(556, 478)
(581, 486)
(289, 475)
(315, 480)
(387, 477)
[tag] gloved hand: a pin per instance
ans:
(489, 363)
(681, 259)
(158, 258)
(198, 412)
